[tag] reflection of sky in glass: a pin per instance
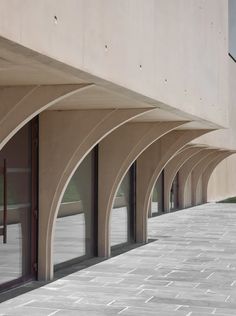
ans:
(69, 240)
(119, 226)
(119, 214)
(157, 196)
(232, 28)
(74, 226)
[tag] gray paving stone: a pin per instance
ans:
(189, 270)
(28, 311)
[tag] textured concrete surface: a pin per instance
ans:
(189, 270)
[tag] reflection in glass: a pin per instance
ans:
(74, 233)
(157, 197)
(70, 238)
(174, 200)
(121, 217)
(15, 254)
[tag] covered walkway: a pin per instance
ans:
(189, 269)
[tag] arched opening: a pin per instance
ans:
(75, 236)
(19, 206)
(122, 217)
(157, 204)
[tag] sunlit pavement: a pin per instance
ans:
(190, 269)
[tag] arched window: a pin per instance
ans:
(75, 233)
(157, 197)
(122, 217)
(18, 206)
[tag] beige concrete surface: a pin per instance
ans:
(206, 96)
(197, 171)
(172, 168)
(210, 177)
(129, 51)
(185, 174)
(149, 166)
(88, 67)
(117, 152)
(65, 139)
(19, 104)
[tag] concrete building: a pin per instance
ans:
(110, 112)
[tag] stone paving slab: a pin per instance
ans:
(189, 270)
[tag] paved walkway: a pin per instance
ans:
(189, 270)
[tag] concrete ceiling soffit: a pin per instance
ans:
(19, 104)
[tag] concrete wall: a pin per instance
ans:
(134, 44)
(168, 54)
(225, 137)
(222, 182)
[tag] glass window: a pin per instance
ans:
(157, 197)
(15, 233)
(174, 193)
(122, 213)
(74, 235)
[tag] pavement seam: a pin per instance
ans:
(149, 299)
(124, 309)
(53, 313)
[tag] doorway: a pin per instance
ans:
(75, 237)
(122, 218)
(19, 207)
(157, 203)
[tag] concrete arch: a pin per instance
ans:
(209, 170)
(66, 137)
(122, 147)
(172, 168)
(196, 177)
(185, 172)
(149, 166)
(19, 104)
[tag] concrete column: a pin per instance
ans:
(209, 170)
(19, 104)
(149, 166)
(172, 168)
(117, 152)
(66, 137)
(196, 176)
(185, 173)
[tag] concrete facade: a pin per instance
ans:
(147, 82)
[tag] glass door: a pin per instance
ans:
(122, 217)
(174, 194)
(18, 207)
(75, 237)
(158, 196)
